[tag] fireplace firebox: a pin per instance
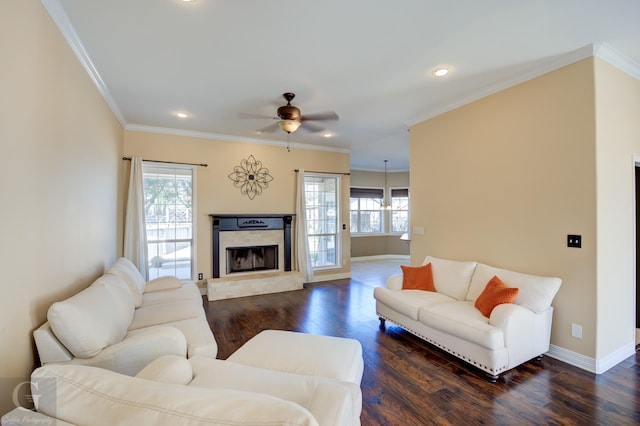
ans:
(256, 258)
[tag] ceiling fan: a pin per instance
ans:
(290, 118)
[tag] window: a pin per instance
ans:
(399, 210)
(168, 193)
(366, 216)
(322, 220)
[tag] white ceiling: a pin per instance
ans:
(370, 61)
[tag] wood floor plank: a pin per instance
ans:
(409, 382)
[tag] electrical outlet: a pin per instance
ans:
(200, 276)
(576, 331)
(574, 241)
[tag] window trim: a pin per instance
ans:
(194, 208)
(338, 232)
(370, 189)
(390, 216)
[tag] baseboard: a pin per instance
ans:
(380, 257)
(597, 366)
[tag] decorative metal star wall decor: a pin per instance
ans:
(251, 177)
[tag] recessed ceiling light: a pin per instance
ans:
(440, 72)
(182, 114)
(328, 134)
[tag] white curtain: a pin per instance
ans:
(303, 256)
(135, 232)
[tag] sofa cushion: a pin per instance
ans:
(120, 292)
(332, 357)
(341, 405)
(88, 395)
(131, 276)
(495, 293)
(168, 369)
(146, 316)
(417, 278)
(408, 302)
(197, 333)
(186, 291)
(92, 319)
(451, 277)
(168, 282)
(463, 320)
(535, 292)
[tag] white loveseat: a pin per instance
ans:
(447, 318)
(198, 391)
(121, 323)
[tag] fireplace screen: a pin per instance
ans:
(255, 258)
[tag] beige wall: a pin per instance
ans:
(504, 180)
(62, 212)
(379, 245)
(216, 193)
(618, 141)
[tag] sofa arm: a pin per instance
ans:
(394, 282)
(50, 349)
(524, 331)
(162, 283)
(138, 349)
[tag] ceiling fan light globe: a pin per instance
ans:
(289, 126)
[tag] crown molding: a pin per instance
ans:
(229, 138)
(601, 50)
(544, 68)
(608, 54)
(60, 18)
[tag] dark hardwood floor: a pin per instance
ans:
(408, 382)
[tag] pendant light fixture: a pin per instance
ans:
(386, 205)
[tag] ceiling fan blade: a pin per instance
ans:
(270, 128)
(329, 115)
(255, 116)
(311, 128)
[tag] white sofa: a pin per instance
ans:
(121, 323)
(447, 318)
(277, 377)
(175, 391)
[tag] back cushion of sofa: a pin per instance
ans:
(131, 276)
(536, 293)
(121, 297)
(93, 319)
(451, 277)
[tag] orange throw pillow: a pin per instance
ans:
(494, 294)
(417, 278)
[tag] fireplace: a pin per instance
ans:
(251, 244)
(251, 258)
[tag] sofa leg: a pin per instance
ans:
(491, 378)
(539, 357)
(382, 324)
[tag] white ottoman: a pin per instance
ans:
(292, 352)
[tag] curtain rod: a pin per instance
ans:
(171, 162)
(326, 173)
